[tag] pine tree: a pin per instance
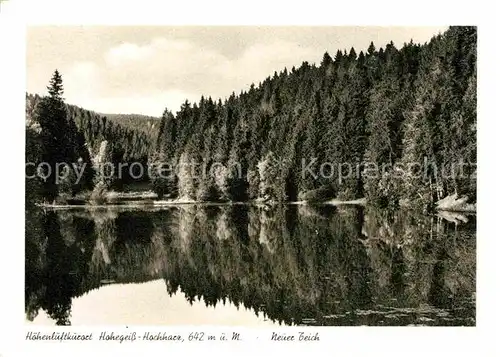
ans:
(327, 60)
(52, 116)
(371, 49)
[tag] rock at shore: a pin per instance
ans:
(455, 203)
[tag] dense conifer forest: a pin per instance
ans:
(340, 192)
(58, 132)
(390, 125)
(380, 108)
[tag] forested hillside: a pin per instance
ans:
(385, 110)
(130, 133)
(397, 126)
(141, 123)
(60, 133)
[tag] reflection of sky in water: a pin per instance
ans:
(149, 304)
(298, 265)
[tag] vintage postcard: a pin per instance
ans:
(215, 185)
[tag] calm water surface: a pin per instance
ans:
(247, 265)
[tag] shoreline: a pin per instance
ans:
(147, 199)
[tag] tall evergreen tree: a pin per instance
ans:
(52, 116)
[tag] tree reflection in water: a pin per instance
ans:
(313, 265)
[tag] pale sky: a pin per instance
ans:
(149, 304)
(145, 69)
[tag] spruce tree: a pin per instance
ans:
(52, 116)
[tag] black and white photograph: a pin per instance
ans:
(255, 176)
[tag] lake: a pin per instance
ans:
(249, 265)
